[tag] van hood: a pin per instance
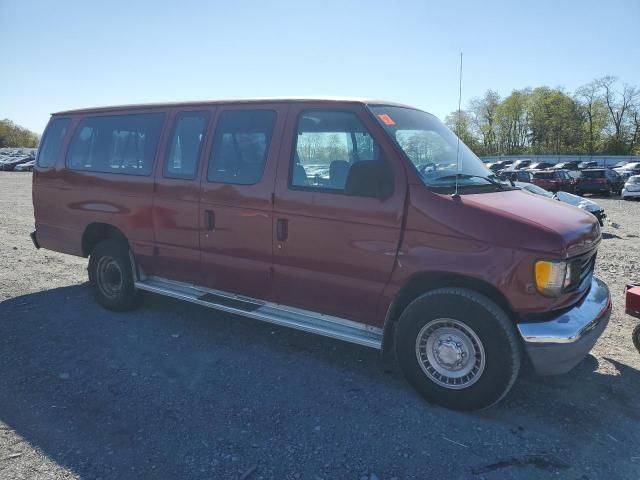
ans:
(577, 230)
(514, 219)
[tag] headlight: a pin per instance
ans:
(552, 277)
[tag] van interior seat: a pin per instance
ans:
(299, 173)
(338, 172)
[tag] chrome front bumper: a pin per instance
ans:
(558, 345)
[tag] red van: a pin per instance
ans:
(364, 221)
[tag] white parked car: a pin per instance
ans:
(585, 204)
(631, 188)
(631, 168)
(25, 167)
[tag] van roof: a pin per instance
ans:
(368, 101)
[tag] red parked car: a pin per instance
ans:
(363, 221)
(554, 180)
(632, 307)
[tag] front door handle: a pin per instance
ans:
(282, 229)
(210, 220)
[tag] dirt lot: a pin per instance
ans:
(177, 391)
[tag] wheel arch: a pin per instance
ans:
(96, 232)
(423, 282)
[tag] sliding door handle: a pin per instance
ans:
(209, 220)
(282, 229)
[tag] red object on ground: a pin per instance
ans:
(633, 300)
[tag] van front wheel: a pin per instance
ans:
(111, 276)
(458, 348)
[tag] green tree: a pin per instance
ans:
(620, 104)
(483, 112)
(461, 123)
(512, 120)
(12, 135)
(595, 115)
(555, 122)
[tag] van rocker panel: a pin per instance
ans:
(312, 322)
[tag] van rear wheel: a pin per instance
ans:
(458, 348)
(111, 276)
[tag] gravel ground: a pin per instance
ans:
(173, 390)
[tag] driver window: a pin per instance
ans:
(327, 145)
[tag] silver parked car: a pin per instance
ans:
(631, 188)
(584, 203)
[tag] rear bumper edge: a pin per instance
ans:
(34, 240)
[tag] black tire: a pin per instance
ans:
(636, 337)
(111, 276)
(498, 344)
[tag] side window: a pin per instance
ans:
(52, 141)
(327, 145)
(240, 146)
(116, 144)
(186, 145)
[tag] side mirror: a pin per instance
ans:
(369, 178)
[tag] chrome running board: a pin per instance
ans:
(307, 321)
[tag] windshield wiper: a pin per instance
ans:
(466, 175)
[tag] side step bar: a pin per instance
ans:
(299, 319)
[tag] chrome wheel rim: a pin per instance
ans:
(109, 277)
(450, 353)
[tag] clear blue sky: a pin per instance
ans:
(64, 54)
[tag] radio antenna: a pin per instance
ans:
(458, 128)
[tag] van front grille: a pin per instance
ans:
(581, 270)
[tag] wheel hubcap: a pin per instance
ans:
(450, 353)
(109, 277)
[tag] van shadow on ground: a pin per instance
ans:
(177, 390)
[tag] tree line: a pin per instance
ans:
(599, 118)
(12, 135)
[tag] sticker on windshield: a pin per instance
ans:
(386, 119)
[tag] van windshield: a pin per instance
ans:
(434, 150)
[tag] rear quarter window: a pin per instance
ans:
(116, 144)
(593, 174)
(51, 142)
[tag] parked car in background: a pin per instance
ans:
(589, 164)
(500, 165)
(631, 188)
(25, 167)
(11, 163)
(520, 164)
(619, 164)
(565, 197)
(553, 180)
(533, 188)
(632, 307)
(572, 165)
(231, 210)
(584, 203)
(516, 175)
(631, 168)
(540, 166)
(600, 180)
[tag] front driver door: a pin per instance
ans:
(333, 253)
